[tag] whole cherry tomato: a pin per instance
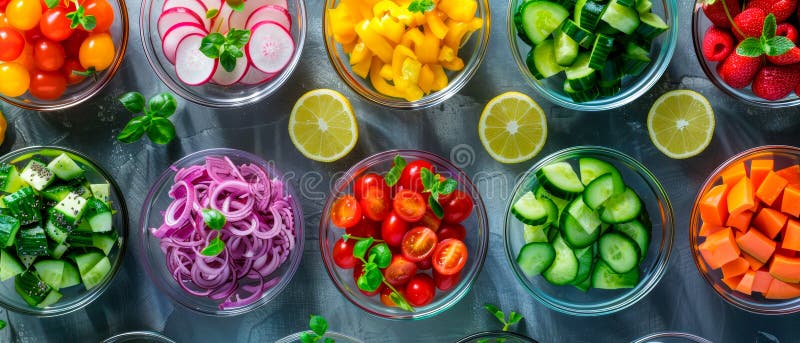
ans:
(103, 14)
(343, 254)
(97, 51)
(365, 228)
(449, 256)
(345, 211)
(457, 206)
(55, 24)
(409, 205)
(357, 271)
(11, 44)
(24, 14)
(367, 181)
(33, 35)
(48, 55)
(26, 58)
(393, 229)
(446, 282)
(420, 290)
(449, 230)
(399, 271)
(14, 79)
(72, 45)
(410, 177)
(48, 85)
(70, 66)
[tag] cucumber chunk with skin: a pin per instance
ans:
(619, 252)
(10, 266)
(621, 208)
(603, 277)
(10, 181)
(564, 268)
(9, 226)
(560, 180)
(37, 175)
(24, 205)
(535, 258)
(32, 289)
(50, 271)
(101, 191)
(71, 276)
(541, 18)
(96, 274)
(99, 215)
(65, 168)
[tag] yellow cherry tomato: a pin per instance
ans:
(3, 127)
(97, 51)
(14, 79)
(24, 14)
(3, 20)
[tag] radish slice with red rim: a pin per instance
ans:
(178, 15)
(223, 77)
(176, 34)
(195, 6)
(192, 66)
(239, 19)
(213, 4)
(271, 47)
(220, 23)
(255, 76)
(274, 13)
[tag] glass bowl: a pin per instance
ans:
(671, 337)
(153, 258)
(783, 157)
(477, 239)
(74, 298)
(138, 337)
(496, 337)
(700, 24)
(339, 338)
(568, 299)
(472, 52)
(209, 94)
(632, 87)
(78, 93)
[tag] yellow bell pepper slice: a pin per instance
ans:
(348, 47)
(455, 65)
(360, 53)
(391, 29)
(413, 93)
(359, 9)
(428, 51)
(374, 42)
(426, 79)
(439, 77)
(412, 36)
(383, 7)
(446, 54)
(362, 68)
(460, 10)
(436, 24)
(401, 53)
(342, 25)
(386, 72)
(379, 83)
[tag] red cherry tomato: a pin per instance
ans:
(367, 181)
(418, 244)
(410, 178)
(446, 282)
(71, 65)
(72, 46)
(102, 12)
(343, 254)
(449, 256)
(393, 229)
(429, 220)
(386, 296)
(457, 206)
(375, 202)
(47, 85)
(4, 3)
(33, 35)
(449, 230)
(11, 44)
(345, 211)
(400, 271)
(365, 228)
(409, 205)
(48, 55)
(420, 290)
(55, 25)
(357, 271)
(424, 264)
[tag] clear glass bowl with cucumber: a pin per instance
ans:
(496, 337)
(63, 225)
(592, 55)
(588, 231)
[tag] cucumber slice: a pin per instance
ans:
(99, 215)
(97, 274)
(621, 207)
(32, 242)
(575, 235)
(87, 261)
(50, 271)
(560, 179)
(9, 226)
(560, 203)
(598, 191)
(535, 233)
(577, 33)
(620, 252)
(541, 18)
(585, 285)
(585, 258)
(71, 276)
(579, 75)
(599, 55)
(53, 297)
(80, 239)
(9, 266)
(535, 258)
(56, 193)
(566, 49)
(57, 250)
(588, 13)
(636, 231)
(541, 60)
(530, 210)
(622, 18)
(101, 191)
(644, 6)
(105, 241)
(564, 268)
(603, 277)
(627, 3)
(651, 26)
(10, 181)
(586, 217)
(582, 95)
(518, 24)
(592, 168)
(32, 289)
(65, 168)
(24, 204)
(37, 175)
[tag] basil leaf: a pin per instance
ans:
(496, 312)
(163, 105)
(161, 131)
(393, 175)
(133, 102)
(435, 207)
(750, 47)
(134, 130)
(2, 324)
(214, 248)
(329, 340)
(238, 38)
(769, 26)
(360, 248)
(227, 60)
(428, 179)
(211, 45)
(367, 281)
(51, 3)
(318, 324)
(514, 317)
(381, 255)
(210, 14)
(400, 301)
(89, 22)
(447, 187)
(306, 337)
(214, 219)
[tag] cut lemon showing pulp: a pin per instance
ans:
(681, 123)
(512, 128)
(322, 125)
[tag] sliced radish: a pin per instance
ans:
(177, 15)
(192, 66)
(213, 4)
(226, 78)
(221, 21)
(239, 19)
(193, 5)
(274, 13)
(255, 76)
(175, 35)
(270, 48)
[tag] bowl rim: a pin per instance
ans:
(661, 259)
(110, 72)
(143, 232)
(785, 307)
(138, 334)
(279, 81)
(698, 52)
(454, 85)
(332, 334)
(643, 85)
(672, 334)
(464, 286)
(484, 334)
(90, 296)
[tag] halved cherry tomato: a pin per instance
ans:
(48, 55)
(393, 229)
(11, 44)
(410, 177)
(343, 254)
(399, 271)
(429, 220)
(97, 51)
(365, 228)
(47, 85)
(386, 296)
(450, 230)
(420, 290)
(409, 205)
(367, 181)
(357, 271)
(72, 46)
(55, 24)
(345, 211)
(376, 203)
(23, 14)
(457, 206)
(424, 264)
(418, 244)
(103, 14)
(446, 282)
(449, 257)
(71, 65)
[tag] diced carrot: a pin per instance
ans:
(741, 196)
(791, 200)
(770, 222)
(733, 174)
(746, 284)
(759, 170)
(757, 245)
(755, 264)
(706, 229)
(791, 238)
(740, 220)
(714, 206)
(791, 174)
(733, 282)
(720, 248)
(762, 281)
(771, 188)
(736, 267)
(782, 290)
(786, 269)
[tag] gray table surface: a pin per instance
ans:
(681, 302)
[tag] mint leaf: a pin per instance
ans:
(394, 174)
(318, 324)
(435, 207)
(777, 46)
(421, 6)
(214, 248)
(213, 219)
(51, 3)
(750, 47)
(447, 186)
(769, 26)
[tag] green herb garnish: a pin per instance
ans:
(421, 6)
(154, 122)
(2, 324)
(393, 175)
(214, 247)
(436, 185)
(214, 219)
(768, 43)
(513, 317)
(210, 14)
(227, 48)
(78, 17)
(318, 326)
(374, 258)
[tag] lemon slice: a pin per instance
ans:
(512, 128)
(322, 125)
(681, 123)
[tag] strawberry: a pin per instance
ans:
(717, 44)
(738, 71)
(715, 11)
(782, 9)
(788, 31)
(790, 57)
(750, 23)
(776, 82)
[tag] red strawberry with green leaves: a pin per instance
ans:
(787, 30)
(738, 71)
(776, 82)
(749, 23)
(721, 12)
(778, 49)
(717, 44)
(790, 57)
(782, 9)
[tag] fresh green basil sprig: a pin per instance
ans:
(154, 122)
(318, 326)
(421, 6)
(436, 185)
(227, 48)
(374, 258)
(215, 220)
